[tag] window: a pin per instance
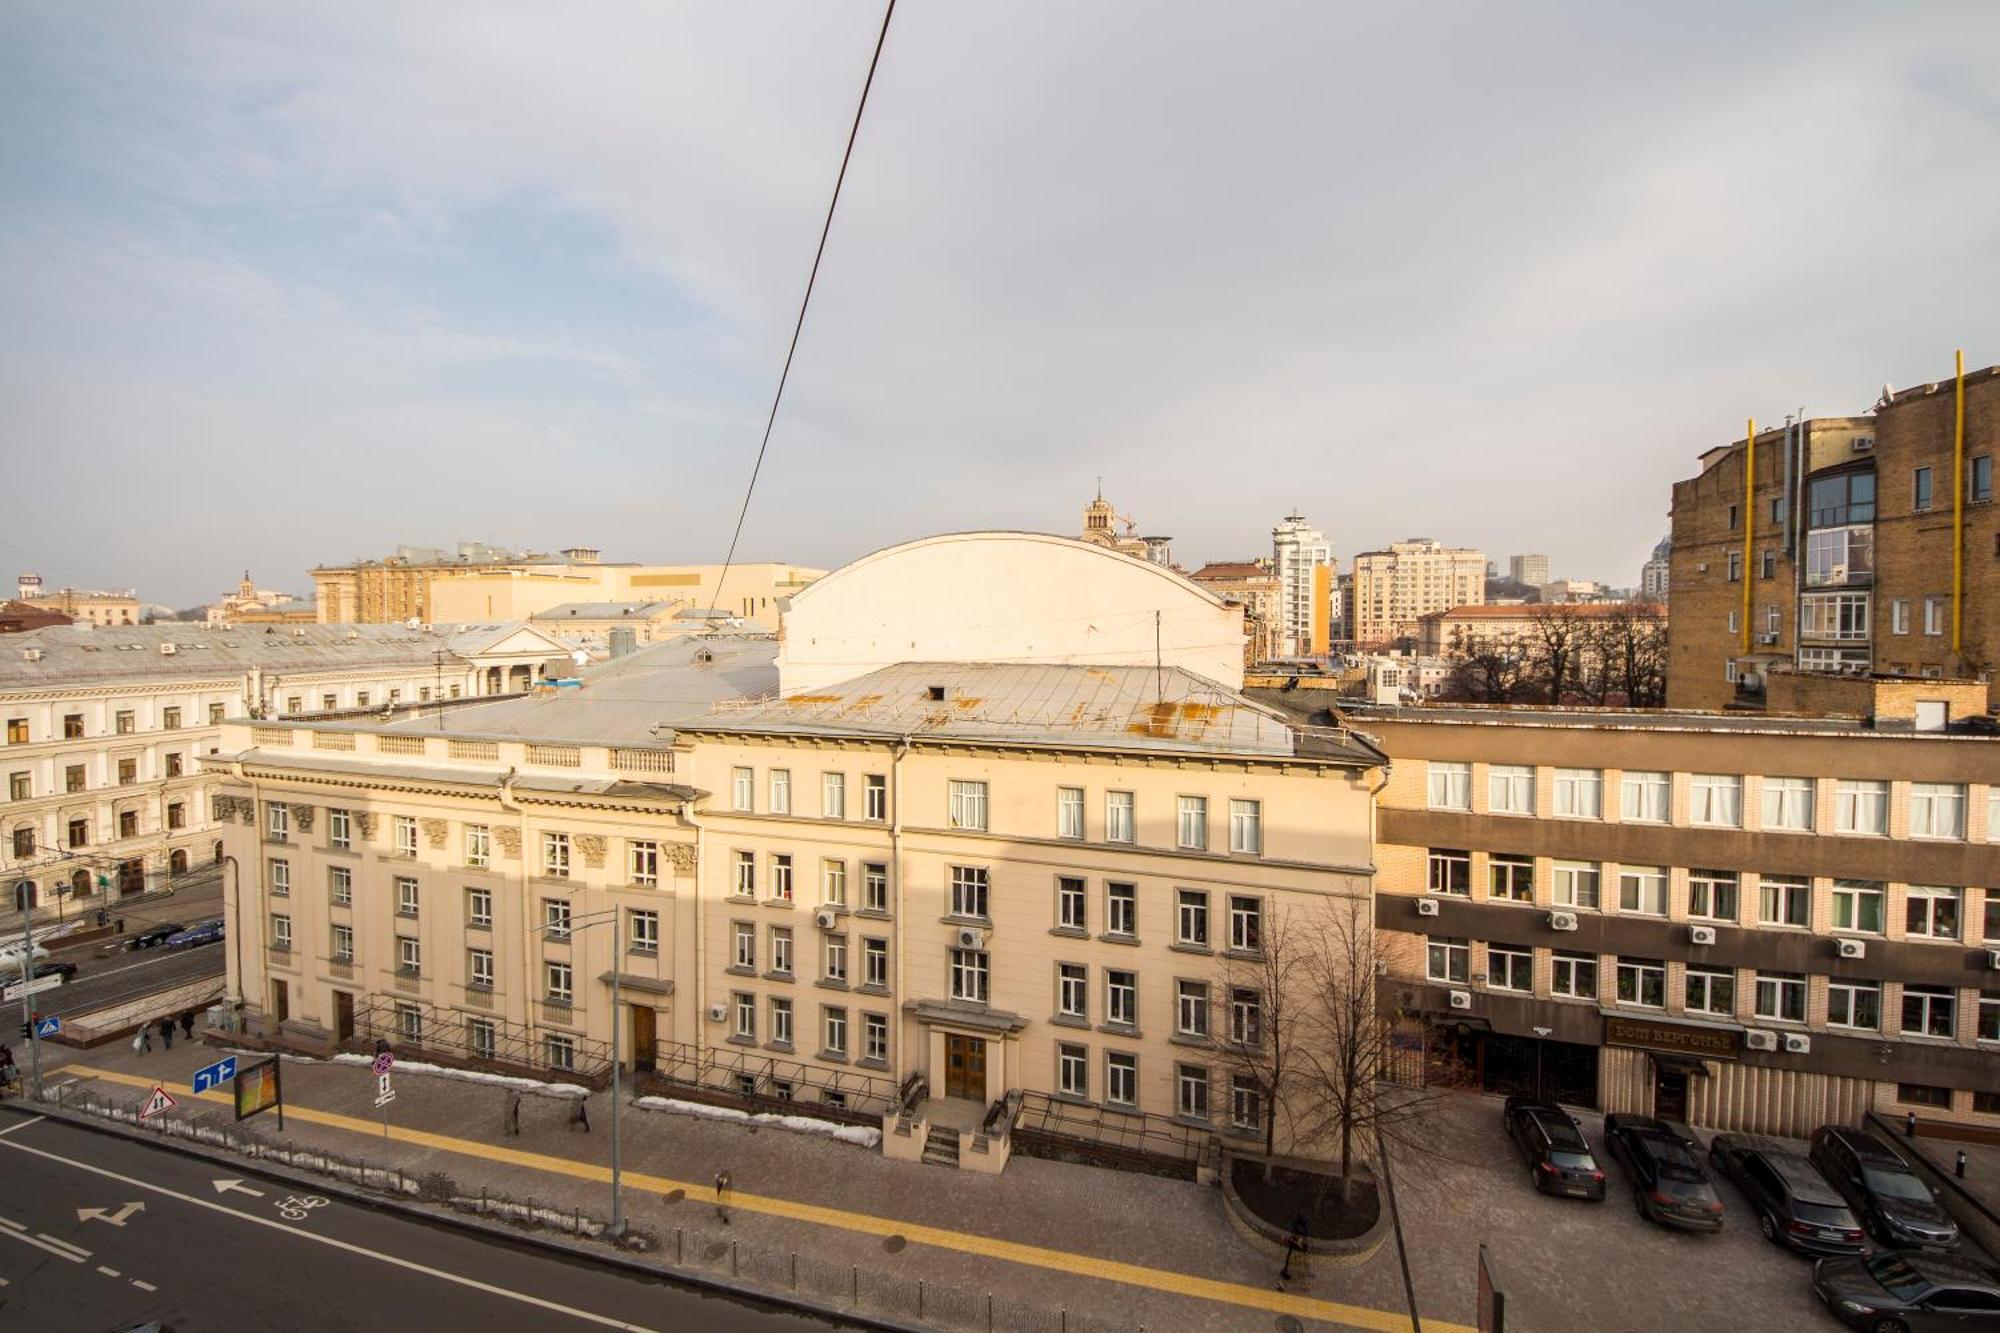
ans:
(1246, 1017)
(746, 874)
(1510, 789)
(170, 719)
(72, 727)
(1246, 924)
(1931, 913)
(1783, 902)
(1647, 797)
(1072, 990)
(874, 962)
(1070, 904)
(1712, 894)
(1121, 997)
(409, 956)
(1447, 960)
(874, 887)
(1191, 917)
(281, 934)
(341, 943)
(1899, 616)
(1191, 1008)
(1781, 996)
(644, 863)
(361, 698)
(874, 1038)
(1788, 804)
(1979, 479)
(75, 778)
(555, 918)
(406, 839)
(1069, 812)
(1989, 1015)
(1930, 1011)
(875, 797)
(1121, 1078)
(746, 1017)
(479, 908)
(1767, 564)
(1450, 786)
(24, 842)
(1840, 616)
(1733, 518)
(1642, 981)
(409, 1022)
(1574, 975)
(555, 855)
(1450, 871)
(339, 829)
(1072, 1071)
(128, 772)
(79, 832)
(1510, 969)
(1642, 889)
(1120, 824)
(215, 713)
(1191, 1099)
(479, 969)
(781, 791)
(1576, 884)
(742, 788)
(1861, 807)
(278, 822)
(833, 958)
(1920, 490)
(968, 891)
(1858, 905)
(968, 975)
(1711, 991)
(175, 765)
(781, 876)
(1847, 498)
(478, 846)
(781, 1021)
(281, 878)
(833, 799)
(1192, 829)
(1992, 896)
(1854, 1004)
(1121, 909)
(1510, 878)
(17, 731)
(1937, 810)
(1934, 617)
(1716, 799)
(124, 724)
(833, 883)
(1246, 827)
(1246, 1103)
(642, 931)
(128, 823)
(1579, 793)
(746, 947)
(1924, 1094)
(781, 950)
(967, 805)
(406, 896)
(1735, 565)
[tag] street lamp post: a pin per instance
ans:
(23, 892)
(608, 916)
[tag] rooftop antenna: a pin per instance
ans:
(1159, 667)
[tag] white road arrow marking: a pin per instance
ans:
(116, 1219)
(235, 1186)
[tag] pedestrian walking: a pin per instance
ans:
(722, 1196)
(8, 1073)
(580, 1118)
(187, 1025)
(167, 1033)
(514, 1115)
(143, 1043)
(1298, 1258)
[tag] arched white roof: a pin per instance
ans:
(1005, 597)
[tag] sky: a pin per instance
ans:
(283, 285)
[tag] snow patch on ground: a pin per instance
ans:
(471, 1076)
(860, 1135)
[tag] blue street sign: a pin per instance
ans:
(47, 1027)
(215, 1075)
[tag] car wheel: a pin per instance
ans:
(1889, 1326)
(1768, 1225)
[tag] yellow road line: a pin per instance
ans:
(1110, 1270)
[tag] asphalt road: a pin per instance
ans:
(160, 1241)
(101, 982)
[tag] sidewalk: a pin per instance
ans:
(1114, 1250)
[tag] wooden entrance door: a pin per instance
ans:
(343, 1015)
(642, 1038)
(281, 1001)
(965, 1068)
(1670, 1095)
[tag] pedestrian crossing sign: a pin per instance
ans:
(156, 1103)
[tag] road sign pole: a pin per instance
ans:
(28, 1015)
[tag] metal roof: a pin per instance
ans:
(605, 611)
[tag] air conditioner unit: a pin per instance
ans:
(971, 937)
(1427, 907)
(1701, 934)
(1853, 948)
(1797, 1043)
(1767, 638)
(1863, 443)
(1562, 920)
(826, 918)
(1701, 568)
(1757, 1039)
(1993, 959)
(717, 1012)
(1460, 999)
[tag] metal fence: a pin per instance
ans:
(1049, 1127)
(481, 1040)
(769, 1082)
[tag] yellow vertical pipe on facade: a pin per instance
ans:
(1749, 518)
(1958, 513)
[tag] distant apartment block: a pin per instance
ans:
(1531, 570)
(1303, 561)
(1395, 588)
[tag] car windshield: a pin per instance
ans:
(1694, 1190)
(1823, 1215)
(1895, 1185)
(1573, 1161)
(1896, 1276)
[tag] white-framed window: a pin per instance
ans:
(833, 883)
(642, 930)
(555, 918)
(746, 875)
(1448, 960)
(968, 891)
(1934, 616)
(1246, 827)
(1073, 1070)
(745, 956)
(479, 908)
(281, 934)
(833, 1028)
(479, 969)
(1716, 800)
(1121, 909)
(1931, 912)
(1788, 804)
(1642, 890)
(1071, 899)
(1781, 996)
(874, 886)
(278, 822)
(1645, 798)
(781, 877)
(1989, 1015)
(742, 788)
(1783, 901)
(1121, 1078)
(1192, 827)
(1510, 879)
(406, 895)
(1574, 975)
(781, 1021)
(1834, 615)
(482, 1038)
(1069, 812)
(1510, 789)
(1579, 793)
(409, 956)
(746, 1016)
(1121, 997)
(1510, 969)
(1937, 810)
(1120, 823)
(1854, 1004)
(1577, 884)
(1859, 905)
(1246, 1103)
(342, 943)
(968, 975)
(1860, 806)
(281, 878)
(406, 835)
(781, 950)
(478, 846)
(833, 958)
(1191, 1099)
(555, 855)
(874, 797)
(781, 791)
(1930, 1011)
(1191, 917)
(1711, 991)
(1191, 1008)
(1449, 870)
(1072, 990)
(1246, 1016)
(874, 962)
(1246, 924)
(409, 1021)
(1899, 615)
(968, 805)
(1712, 895)
(645, 864)
(559, 1051)
(874, 1037)
(1450, 785)
(833, 797)
(1642, 982)
(339, 829)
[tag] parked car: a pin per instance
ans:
(64, 969)
(1907, 1291)
(202, 932)
(159, 934)
(1668, 1184)
(1795, 1205)
(1895, 1205)
(1558, 1154)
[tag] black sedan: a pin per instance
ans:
(1892, 1201)
(64, 969)
(151, 935)
(1558, 1155)
(1668, 1184)
(1794, 1204)
(1908, 1292)
(202, 932)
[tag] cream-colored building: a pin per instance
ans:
(947, 896)
(1394, 588)
(1253, 585)
(115, 606)
(754, 592)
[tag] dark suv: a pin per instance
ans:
(1795, 1205)
(1668, 1184)
(1897, 1208)
(1907, 1291)
(1558, 1155)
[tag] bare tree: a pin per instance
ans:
(1558, 641)
(1631, 643)
(1264, 979)
(1490, 669)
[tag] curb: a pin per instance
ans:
(1349, 1253)
(718, 1286)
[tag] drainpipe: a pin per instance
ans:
(1795, 524)
(528, 929)
(700, 934)
(1749, 524)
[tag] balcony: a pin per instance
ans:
(560, 1011)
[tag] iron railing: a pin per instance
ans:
(1089, 1131)
(484, 1040)
(773, 1082)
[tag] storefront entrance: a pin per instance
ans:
(1670, 1094)
(965, 1068)
(1561, 1071)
